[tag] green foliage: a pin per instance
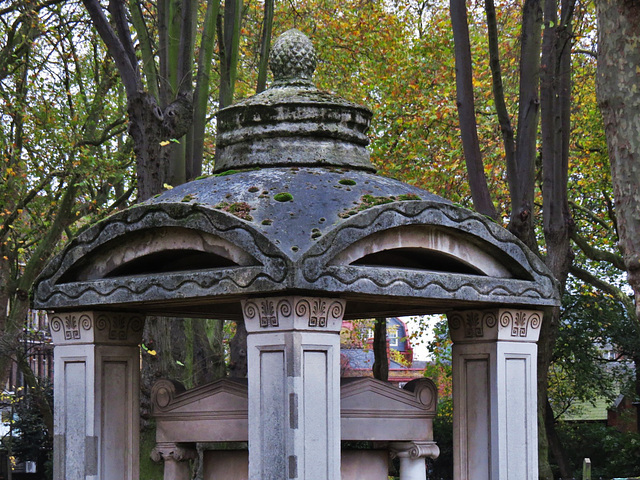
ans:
(443, 433)
(579, 371)
(612, 453)
(440, 369)
(31, 439)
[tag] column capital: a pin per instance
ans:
(507, 324)
(91, 327)
(414, 450)
(273, 314)
(169, 451)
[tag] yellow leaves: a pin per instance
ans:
(167, 186)
(11, 171)
(164, 143)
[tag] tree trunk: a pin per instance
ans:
(238, 351)
(554, 443)
(619, 100)
(466, 111)
(618, 94)
(381, 360)
(521, 174)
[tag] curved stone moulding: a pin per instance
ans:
(80, 274)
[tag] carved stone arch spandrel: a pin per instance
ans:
(499, 267)
(158, 252)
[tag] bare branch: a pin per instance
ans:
(498, 89)
(589, 53)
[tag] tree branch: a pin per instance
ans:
(265, 45)
(466, 108)
(25, 201)
(119, 18)
(13, 6)
(597, 254)
(128, 72)
(615, 292)
(593, 217)
(148, 61)
(498, 90)
(107, 134)
(589, 53)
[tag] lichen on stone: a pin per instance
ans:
(238, 209)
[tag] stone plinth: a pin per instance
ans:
(494, 393)
(96, 380)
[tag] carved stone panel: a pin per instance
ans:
(293, 313)
(496, 324)
(96, 327)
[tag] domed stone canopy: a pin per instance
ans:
(294, 208)
(293, 233)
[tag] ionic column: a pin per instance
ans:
(96, 383)
(176, 459)
(494, 394)
(412, 457)
(294, 387)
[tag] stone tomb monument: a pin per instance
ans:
(293, 233)
(400, 422)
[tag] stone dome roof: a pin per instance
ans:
(294, 207)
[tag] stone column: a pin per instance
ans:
(96, 383)
(294, 387)
(412, 457)
(495, 430)
(176, 459)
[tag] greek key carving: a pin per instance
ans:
(315, 310)
(473, 322)
(268, 312)
(96, 327)
(71, 324)
(119, 326)
(309, 312)
(520, 322)
(473, 325)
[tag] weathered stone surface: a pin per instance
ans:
(271, 245)
(293, 123)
